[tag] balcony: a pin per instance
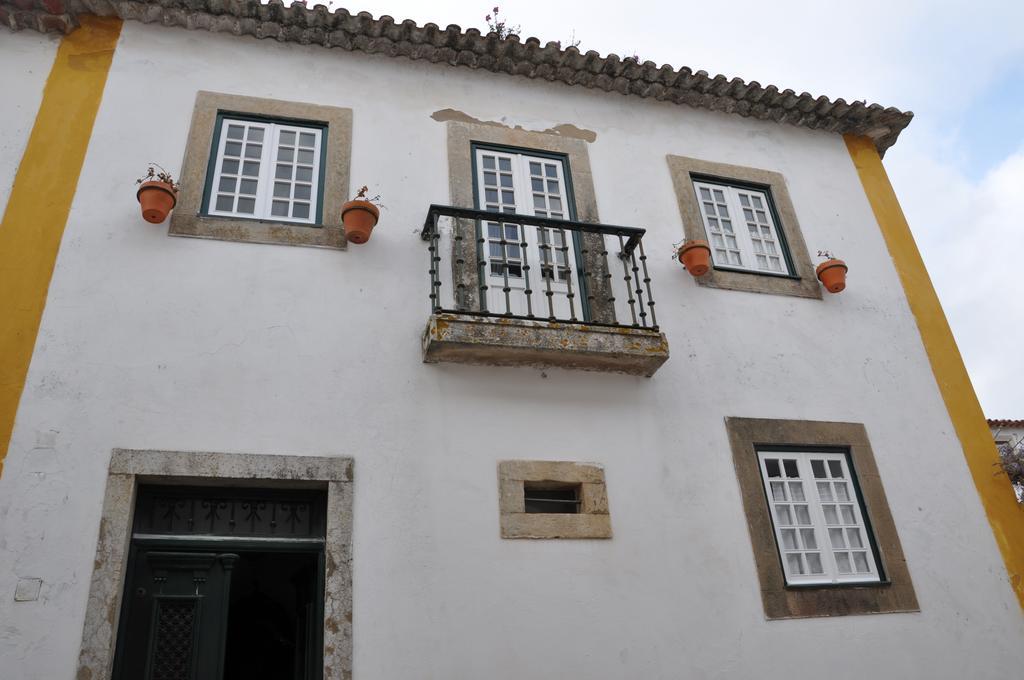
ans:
(534, 291)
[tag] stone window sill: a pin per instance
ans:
(497, 341)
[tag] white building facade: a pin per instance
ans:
(740, 473)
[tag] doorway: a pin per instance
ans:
(223, 584)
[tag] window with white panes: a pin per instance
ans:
(741, 227)
(266, 170)
(820, 529)
(521, 257)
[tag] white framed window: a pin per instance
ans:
(741, 228)
(266, 170)
(520, 183)
(818, 517)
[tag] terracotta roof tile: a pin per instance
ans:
(457, 47)
(1005, 423)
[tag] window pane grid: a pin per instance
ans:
(718, 222)
(767, 254)
(755, 245)
(266, 170)
(500, 196)
(546, 195)
(819, 529)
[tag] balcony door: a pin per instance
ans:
(529, 271)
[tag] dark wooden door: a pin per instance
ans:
(175, 620)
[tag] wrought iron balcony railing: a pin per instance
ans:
(524, 267)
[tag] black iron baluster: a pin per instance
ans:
(639, 291)
(435, 259)
(459, 270)
(626, 277)
(526, 270)
(607, 273)
(585, 273)
(483, 258)
(546, 262)
(504, 270)
(569, 294)
(647, 284)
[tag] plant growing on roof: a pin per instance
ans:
(831, 272)
(496, 25)
(1011, 463)
(157, 194)
(360, 216)
(694, 254)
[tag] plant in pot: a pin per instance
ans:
(831, 272)
(694, 254)
(157, 194)
(360, 216)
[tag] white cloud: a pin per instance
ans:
(971, 235)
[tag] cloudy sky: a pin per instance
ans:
(958, 169)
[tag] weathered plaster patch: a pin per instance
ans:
(128, 466)
(28, 589)
(563, 129)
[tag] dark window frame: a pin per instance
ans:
(211, 167)
(781, 600)
(772, 208)
(883, 578)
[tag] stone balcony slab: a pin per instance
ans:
(500, 341)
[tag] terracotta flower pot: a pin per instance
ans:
(360, 217)
(696, 257)
(832, 274)
(157, 199)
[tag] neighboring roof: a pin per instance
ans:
(455, 47)
(1005, 423)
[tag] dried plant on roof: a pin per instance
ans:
(499, 26)
(1011, 462)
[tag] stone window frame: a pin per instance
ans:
(461, 138)
(129, 468)
(894, 594)
(592, 521)
(801, 283)
(188, 218)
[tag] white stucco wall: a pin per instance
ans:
(29, 56)
(150, 341)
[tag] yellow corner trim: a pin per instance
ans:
(997, 497)
(40, 200)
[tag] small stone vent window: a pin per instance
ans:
(553, 498)
(546, 499)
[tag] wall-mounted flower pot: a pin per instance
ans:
(157, 200)
(360, 217)
(696, 257)
(832, 274)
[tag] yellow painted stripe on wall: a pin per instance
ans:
(997, 497)
(40, 199)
